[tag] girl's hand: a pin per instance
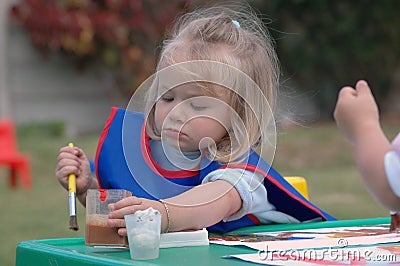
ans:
(356, 110)
(72, 160)
(129, 206)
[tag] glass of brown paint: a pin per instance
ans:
(98, 233)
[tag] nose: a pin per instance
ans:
(177, 113)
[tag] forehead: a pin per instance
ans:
(189, 89)
(201, 77)
(194, 89)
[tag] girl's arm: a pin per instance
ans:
(202, 206)
(357, 115)
(370, 150)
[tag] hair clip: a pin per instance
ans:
(236, 23)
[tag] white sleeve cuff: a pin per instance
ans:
(392, 168)
(253, 193)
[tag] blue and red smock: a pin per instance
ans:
(124, 161)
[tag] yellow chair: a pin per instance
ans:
(298, 183)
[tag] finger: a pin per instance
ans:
(122, 231)
(67, 164)
(347, 92)
(67, 170)
(116, 222)
(79, 152)
(363, 88)
(67, 156)
(72, 150)
(125, 202)
(72, 161)
(120, 213)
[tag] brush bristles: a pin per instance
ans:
(73, 223)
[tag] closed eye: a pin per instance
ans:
(167, 98)
(197, 107)
(199, 103)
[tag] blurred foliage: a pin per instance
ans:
(324, 45)
(48, 129)
(123, 35)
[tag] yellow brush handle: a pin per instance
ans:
(71, 178)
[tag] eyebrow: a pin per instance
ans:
(187, 94)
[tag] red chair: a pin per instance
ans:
(9, 155)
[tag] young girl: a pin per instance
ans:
(190, 154)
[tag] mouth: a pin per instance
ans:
(173, 132)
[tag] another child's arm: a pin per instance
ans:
(357, 115)
(202, 206)
(72, 160)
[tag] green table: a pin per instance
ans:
(72, 251)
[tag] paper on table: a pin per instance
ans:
(314, 238)
(324, 242)
(383, 255)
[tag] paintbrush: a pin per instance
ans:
(394, 222)
(73, 223)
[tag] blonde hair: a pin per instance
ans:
(214, 35)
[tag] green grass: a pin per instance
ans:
(317, 152)
(43, 211)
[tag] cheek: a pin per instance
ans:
(209, 128)
(159, 116)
